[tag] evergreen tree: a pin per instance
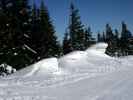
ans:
(125, 35)
(16, 16)
(101, 38)
(47, 45)
(66, 44)
(98, 37)
(116, 43)
(88, 38)
(109, 33)
(76, 30)
(116, 34)
(104, 37)
(33, 39)
(110, 40)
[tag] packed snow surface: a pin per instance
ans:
(80, 75)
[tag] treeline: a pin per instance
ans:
(119, 43)
(27, 34)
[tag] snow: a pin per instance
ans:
(80, 75)
(6, 69)
(46, 66)
(30, 49)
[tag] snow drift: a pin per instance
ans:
(6, 70)
(80, 75)
(93, 59)
(43, 67)
(73, 62)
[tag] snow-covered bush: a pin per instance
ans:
(6, 70)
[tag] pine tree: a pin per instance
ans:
(88, 38)
(66, 44)
(116, 34)
(104, 37)
(98, 37)
(110, 40)
(48, 44)
(125, 35)
(15, 27)
(116, 43)
(109, 33)
(32, 36)
(76, 30)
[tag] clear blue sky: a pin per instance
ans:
(94, 13)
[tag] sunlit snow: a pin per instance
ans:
(80, 75)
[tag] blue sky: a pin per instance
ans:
(94, 13)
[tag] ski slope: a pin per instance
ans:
(80, 75)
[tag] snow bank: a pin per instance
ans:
(82, 61)
(98, 50)
(77, 61)
(46, 66)
(6, 70)
(90, 75)
(99, 47)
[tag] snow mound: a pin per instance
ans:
(77, 61)
(46, 66)
(98, 50)
(89, 75)
(99, 47)
(82, 61)
(6, 70)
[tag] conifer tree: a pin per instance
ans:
(66, 44)
(125, 35)
(109, 33)
(88, 38)
(16, 15)
(76, 30)
(48, 44)
(98, 37)
(116, 34)
(110, 40)
(104, 37)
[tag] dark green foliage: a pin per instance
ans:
(13, 27)
(76, 30)
(67, 48)
(49, 46)
(25, 37)
(79, 38)
(88, 40)
(117, 45)
(99, 37)
(28, 35)
(124, 41)
(109, 33)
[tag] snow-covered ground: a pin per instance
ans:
(80, 75)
